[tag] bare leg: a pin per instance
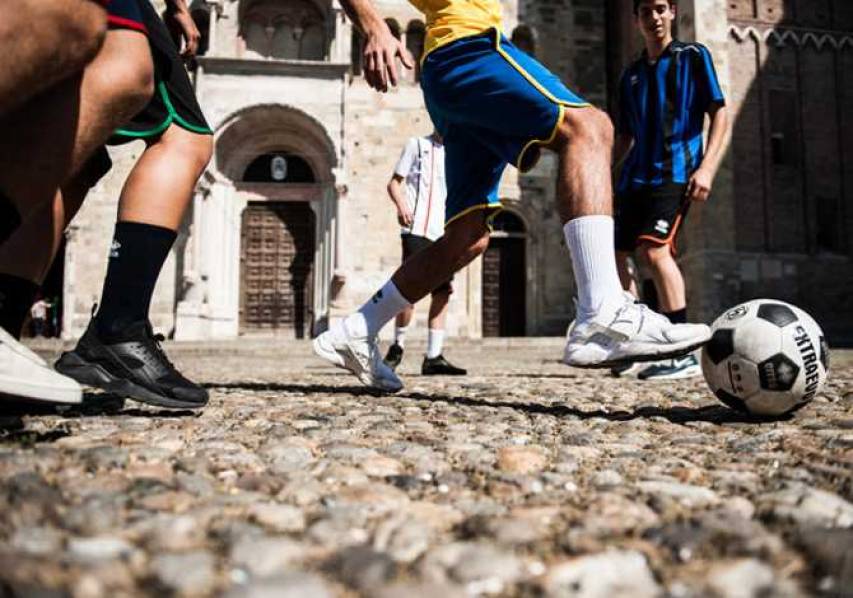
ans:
(669, 282)
(160, 186)
(42, 43)
(48, 140)
(625, 277)
(404, 318)
(29, 253)
(583, 143)
(464, 240)
(438, 309)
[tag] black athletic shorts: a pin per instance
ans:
(174, 98)
(124, 14)
(650, 214)
(413, 244)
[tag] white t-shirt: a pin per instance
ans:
(422, 166)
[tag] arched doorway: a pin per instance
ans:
(504, 276)
(261, 249)
(277, 251)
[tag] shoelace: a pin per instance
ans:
(156, 339)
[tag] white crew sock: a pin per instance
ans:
(591, 244)
(435, 343)
(400, 335)
(378, 311)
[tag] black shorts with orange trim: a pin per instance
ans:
(414, 244)
(125, 14)
(650, 215)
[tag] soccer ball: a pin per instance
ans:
(765, 357)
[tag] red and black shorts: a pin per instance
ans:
(650, 215)
(125, 14)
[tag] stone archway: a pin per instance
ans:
(215, 301)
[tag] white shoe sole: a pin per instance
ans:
(33, 391)
(639, 353)
(683, 375)
(327, 351)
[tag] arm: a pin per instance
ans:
(699, 186)
(382, 48)
(182, 26)
(398, 196)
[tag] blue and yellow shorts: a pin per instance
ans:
(494, 105)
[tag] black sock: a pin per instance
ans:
(17, 296)
(137, 254)
(10, 219)
(679, 316)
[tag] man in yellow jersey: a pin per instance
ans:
(494, 105)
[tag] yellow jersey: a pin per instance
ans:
(449, 20)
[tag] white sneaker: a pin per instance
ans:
(633, 333)
(23, 374)
(678, 368)
(358, 355)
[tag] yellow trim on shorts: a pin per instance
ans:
(562, 104)
(560, 112)
(482, 206)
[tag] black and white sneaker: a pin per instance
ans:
(133, 366)
(394, 356)
(439, 366)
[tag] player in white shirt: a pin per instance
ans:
(418, 190)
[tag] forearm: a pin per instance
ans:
(718, 140)
(363, 15)
(395, 192)
(177, 5)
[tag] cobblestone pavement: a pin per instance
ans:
(526, 478)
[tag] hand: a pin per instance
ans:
(405, 217)
(380, 58)
(182, 27)
(699, 186)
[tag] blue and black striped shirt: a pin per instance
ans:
(662, 106)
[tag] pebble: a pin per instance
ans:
(278, 518)
(190, 573)
(611, 574)
(522, 459)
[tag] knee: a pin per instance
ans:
(654, 255)
(468, 242)
(193, 149)
(588, 126)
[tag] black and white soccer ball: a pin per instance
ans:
(765, 357)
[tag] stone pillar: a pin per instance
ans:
(708, 243)
(210, 307)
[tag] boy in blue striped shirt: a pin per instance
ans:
(663, 99)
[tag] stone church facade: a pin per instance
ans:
(291, 224)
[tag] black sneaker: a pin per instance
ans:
(439, 366)
(394, 356)
(133, 366)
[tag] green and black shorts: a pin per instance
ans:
(174, 100)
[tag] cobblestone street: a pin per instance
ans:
(526, 478)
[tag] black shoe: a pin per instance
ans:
(394, 356)
(132, 365)
(439, 366)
